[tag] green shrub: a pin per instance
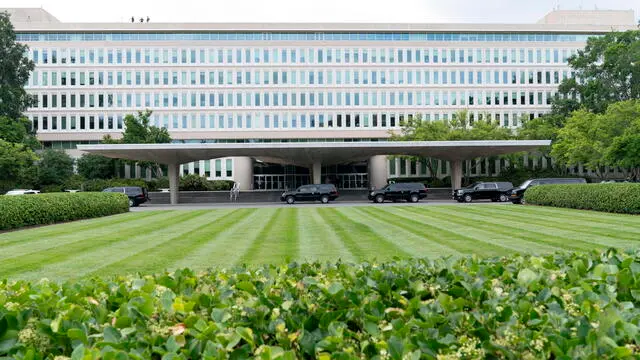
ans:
(616, 198)
(560, 306)
(51, 188)
(193, 182)
(220, 185)
(100, 184)
(27, 210)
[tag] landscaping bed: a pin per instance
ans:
(560, 306)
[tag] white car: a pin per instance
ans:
(22, 192)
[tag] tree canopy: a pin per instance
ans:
(55, 167)
(600, 140)
(138, 131)
(607, 71)
(15, 69)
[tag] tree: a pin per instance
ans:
(138, 131)
(587, 137)
(93, 166)
(15, 68)
(607, 71)
(55, 167)
(458, 128)
(15, 161)
(18, 131)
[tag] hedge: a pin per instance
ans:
(558, 306)
(616, 198)
(27, 210)
(101, 184)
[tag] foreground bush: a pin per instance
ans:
(561, 306)
(617, 198)
(26, 210)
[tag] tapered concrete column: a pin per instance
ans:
(456, 174)
(174, 182)
(316, 173)
(378, 171)
(243, 172)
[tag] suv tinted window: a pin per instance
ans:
(133, 190)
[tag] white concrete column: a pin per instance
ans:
(243, 172)
(456, 174)
(174, 182)
(316, 173)
(378, 170)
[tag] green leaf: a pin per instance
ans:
(335, 288)
(246, 334)
(246, 286)
(78, 352)
(77, 334)
(396, 347)
(111, 335)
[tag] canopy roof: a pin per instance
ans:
(305, 153)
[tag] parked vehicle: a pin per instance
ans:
(137, 195)
(516, 195)
(494, 191)
(412, 192)
(22, 192)
(314, 192)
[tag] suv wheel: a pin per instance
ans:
(380, 199)
(290, 200)
(468, 198)
(414, 198)
(324, 199)
(503, 198)
(131, 203)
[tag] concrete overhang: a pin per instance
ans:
(306, 153)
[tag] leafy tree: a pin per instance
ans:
(15, 162)
(587, 137)
(18, 131)
(139, 131)
(55, 167)
(15, 68)
(607, 71)
(92, 166)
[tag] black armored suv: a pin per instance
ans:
(315, 192)
(412, 192)
(494, 191)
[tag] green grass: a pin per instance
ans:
(164, 240)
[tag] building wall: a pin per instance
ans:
(258, 86)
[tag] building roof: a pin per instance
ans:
(304, 154)
(30, 15)
(34, 19)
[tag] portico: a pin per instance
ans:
(315, 154)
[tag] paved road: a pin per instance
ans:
(151, 207)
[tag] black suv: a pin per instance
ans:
(494, 191)
(516, 195)
(412, 192)
(322, 192)
(136, 194)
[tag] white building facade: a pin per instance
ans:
(292, 82)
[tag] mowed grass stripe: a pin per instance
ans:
(422, 245)
(174, 248)
(76, 227)
(77, 242)
(318, 240)
(483, 237)
(359, 238)
(277, 242)
(75, 258)
(572, 220)
(585, 227)
(575, 233)
(227, 246)
(629, 221)
(505, 229)
(441, 233)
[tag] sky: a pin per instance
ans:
(388, 11)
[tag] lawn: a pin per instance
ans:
(153, 241)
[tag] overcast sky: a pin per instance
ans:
(491, 11)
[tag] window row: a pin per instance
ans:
(288, 120)
(214, 168)
(323, 55)
(291, 99)
(305, 36)
(297, 77)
